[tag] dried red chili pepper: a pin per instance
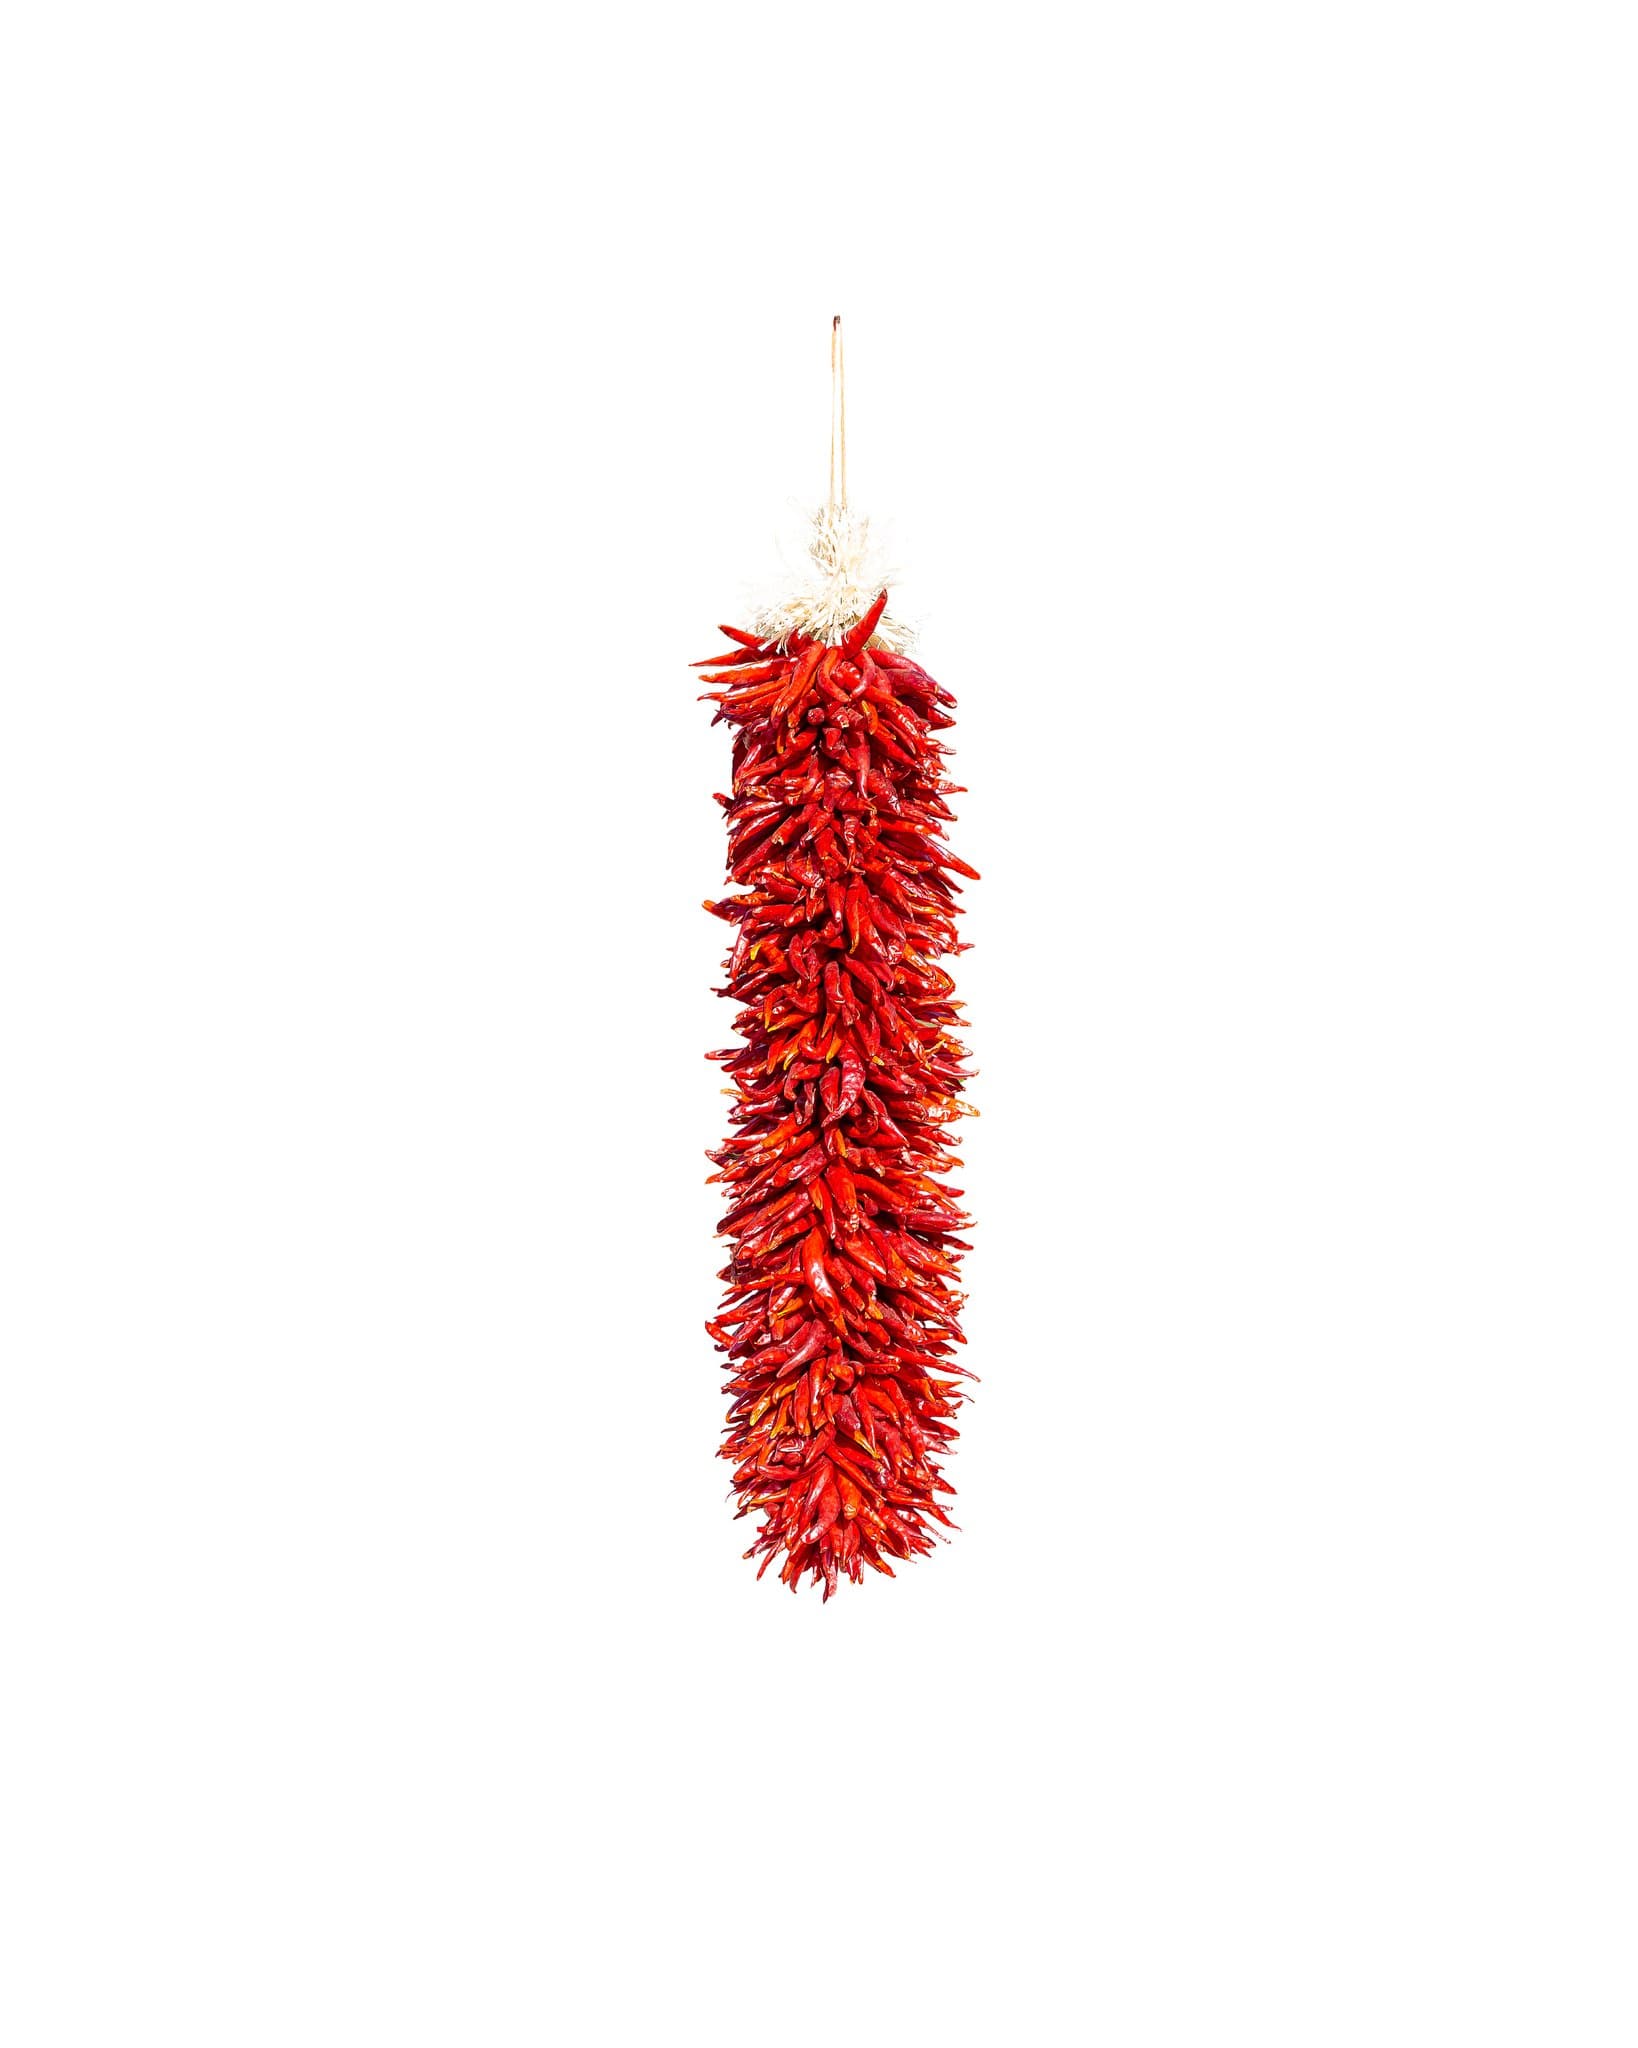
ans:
(840, 1315)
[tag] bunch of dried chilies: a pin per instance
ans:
(840, 1314)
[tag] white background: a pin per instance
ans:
(394, 399)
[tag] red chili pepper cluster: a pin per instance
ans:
(840, 1314)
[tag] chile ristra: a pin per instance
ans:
(839, 1319)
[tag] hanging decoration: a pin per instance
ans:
(840, 1315)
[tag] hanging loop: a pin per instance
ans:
(838, 417)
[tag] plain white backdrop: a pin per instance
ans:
(394, 398)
